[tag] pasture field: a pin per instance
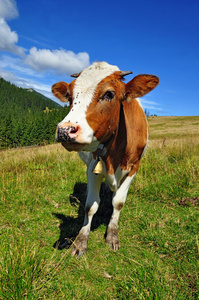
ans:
(42, 193)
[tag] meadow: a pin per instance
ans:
(42, 196)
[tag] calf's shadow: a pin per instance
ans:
(70, 226)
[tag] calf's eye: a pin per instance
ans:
(108, 96)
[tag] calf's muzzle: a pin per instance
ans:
(67, 134)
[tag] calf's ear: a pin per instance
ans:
(60, 90)
(140, 86)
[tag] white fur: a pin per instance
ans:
(119, 197)
(115, 179)
(138, 100)
(85, 156)
(93, 198)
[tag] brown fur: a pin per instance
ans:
(125, 119)
(103, 116)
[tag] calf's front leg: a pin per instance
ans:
(92, 203)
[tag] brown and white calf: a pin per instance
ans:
(106, 125)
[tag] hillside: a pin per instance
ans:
(26, 117)
(171, 130)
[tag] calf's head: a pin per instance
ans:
(95, 96)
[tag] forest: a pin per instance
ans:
(27, 117)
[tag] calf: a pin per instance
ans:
(107, 126)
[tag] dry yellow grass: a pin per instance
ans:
(166, 131)
(17, 155)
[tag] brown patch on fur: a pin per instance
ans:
(119, 206)
(103, 115)
(130, 140)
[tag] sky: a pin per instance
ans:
(45, 41)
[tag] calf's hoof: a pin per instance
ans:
(80, 245)
(112, 239)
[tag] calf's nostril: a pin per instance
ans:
(73, 130)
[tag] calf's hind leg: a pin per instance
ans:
(119, 198)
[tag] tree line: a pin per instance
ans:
(27, 117)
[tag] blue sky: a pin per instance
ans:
(44, 41)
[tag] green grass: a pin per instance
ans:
(42, 194)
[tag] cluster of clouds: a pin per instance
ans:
(58, 61)
(8, 38)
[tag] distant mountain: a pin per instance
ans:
(27, 117)
(30, 90)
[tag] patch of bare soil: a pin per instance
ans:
(193, 201)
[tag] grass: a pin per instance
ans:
(42, 194)
(174, 128)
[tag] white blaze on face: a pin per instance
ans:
(84, 89)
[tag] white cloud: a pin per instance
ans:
(8, 76)
(23, 82)
(151, 105)
(16, 66)
(148, 101)
(59, 61)
(8, 9)
(13, 70)
(8, 38)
